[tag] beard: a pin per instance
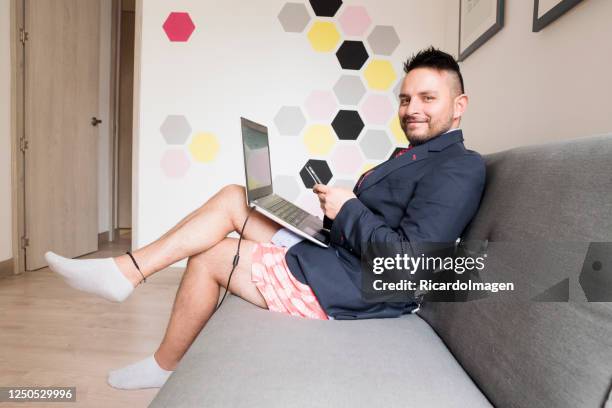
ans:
(425, 130)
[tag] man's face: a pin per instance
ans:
(426, 104)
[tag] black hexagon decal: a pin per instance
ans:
(321, 169)
(352, 55)
(325, 8)
(347, 124)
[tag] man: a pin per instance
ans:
(428, 193)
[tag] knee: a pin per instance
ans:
(235, 203)
(199, 263)
(228, 197)
(234, 190)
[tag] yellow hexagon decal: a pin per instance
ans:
(204, 147)
(366, 167)
(379, 74)
(319, 139)
(323, 36)
(397, 131)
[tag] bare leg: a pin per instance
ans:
(202, 229)
(198, 294)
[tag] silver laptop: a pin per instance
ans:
(260, 193)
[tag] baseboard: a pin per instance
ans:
(103, 237)
(7, 268)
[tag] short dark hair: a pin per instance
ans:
(436, 59)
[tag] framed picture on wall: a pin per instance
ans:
(479, 20)
(547, 11)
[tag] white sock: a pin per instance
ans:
(143, 374)
(98, 276)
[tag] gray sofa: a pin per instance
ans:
(542, 207)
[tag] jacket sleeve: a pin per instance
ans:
(444, 202)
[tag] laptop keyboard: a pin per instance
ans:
(285, 210)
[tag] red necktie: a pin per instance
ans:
(366, 174)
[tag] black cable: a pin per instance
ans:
(236, 259)
(136, 265)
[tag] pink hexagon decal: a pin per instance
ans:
(347, 158)
(355, 20)
(321, 105)
(178, 26)
(175, 163)
(376, 109)
(310, 202)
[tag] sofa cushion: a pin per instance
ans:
(541, 208)
(250, 357)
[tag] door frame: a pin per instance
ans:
(17, 50)
(17, 128)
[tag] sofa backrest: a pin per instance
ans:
(542, 207)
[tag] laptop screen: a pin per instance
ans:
(256, 159)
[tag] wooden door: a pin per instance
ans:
(61, 97)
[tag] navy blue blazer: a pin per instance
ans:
(428, 194)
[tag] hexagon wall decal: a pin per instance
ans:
(178, 26)
(321, 105)
(347, 158)
(377, 109)
(319, 139)
(325, 8)
(344, 183)
(354, 20)
(175, 163)
(379, 74)
(323, 36)
(287, 187)
(352, 55)
(366, 167)
(383, 40)
(175, 129)
(375, 144)
(204, 147)
(294, 17)
(347, 124)
(398, 132)
(290, 120)
(310, 202)
(349, 89)
(320, 167)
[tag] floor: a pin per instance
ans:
(53, 335)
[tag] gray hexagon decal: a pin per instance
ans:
(175, 129)
(287, 187)
(344, 183)
(383, 40)
(290, 120)
(294, 17)
(349, 89)
(375, 144)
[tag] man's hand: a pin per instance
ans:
(332, 198)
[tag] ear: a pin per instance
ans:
(459, 106)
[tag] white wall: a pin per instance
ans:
(530, 88)
(6, 250)
(238, 62)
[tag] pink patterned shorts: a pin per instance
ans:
(281, 290)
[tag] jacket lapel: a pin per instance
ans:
(412, 156)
